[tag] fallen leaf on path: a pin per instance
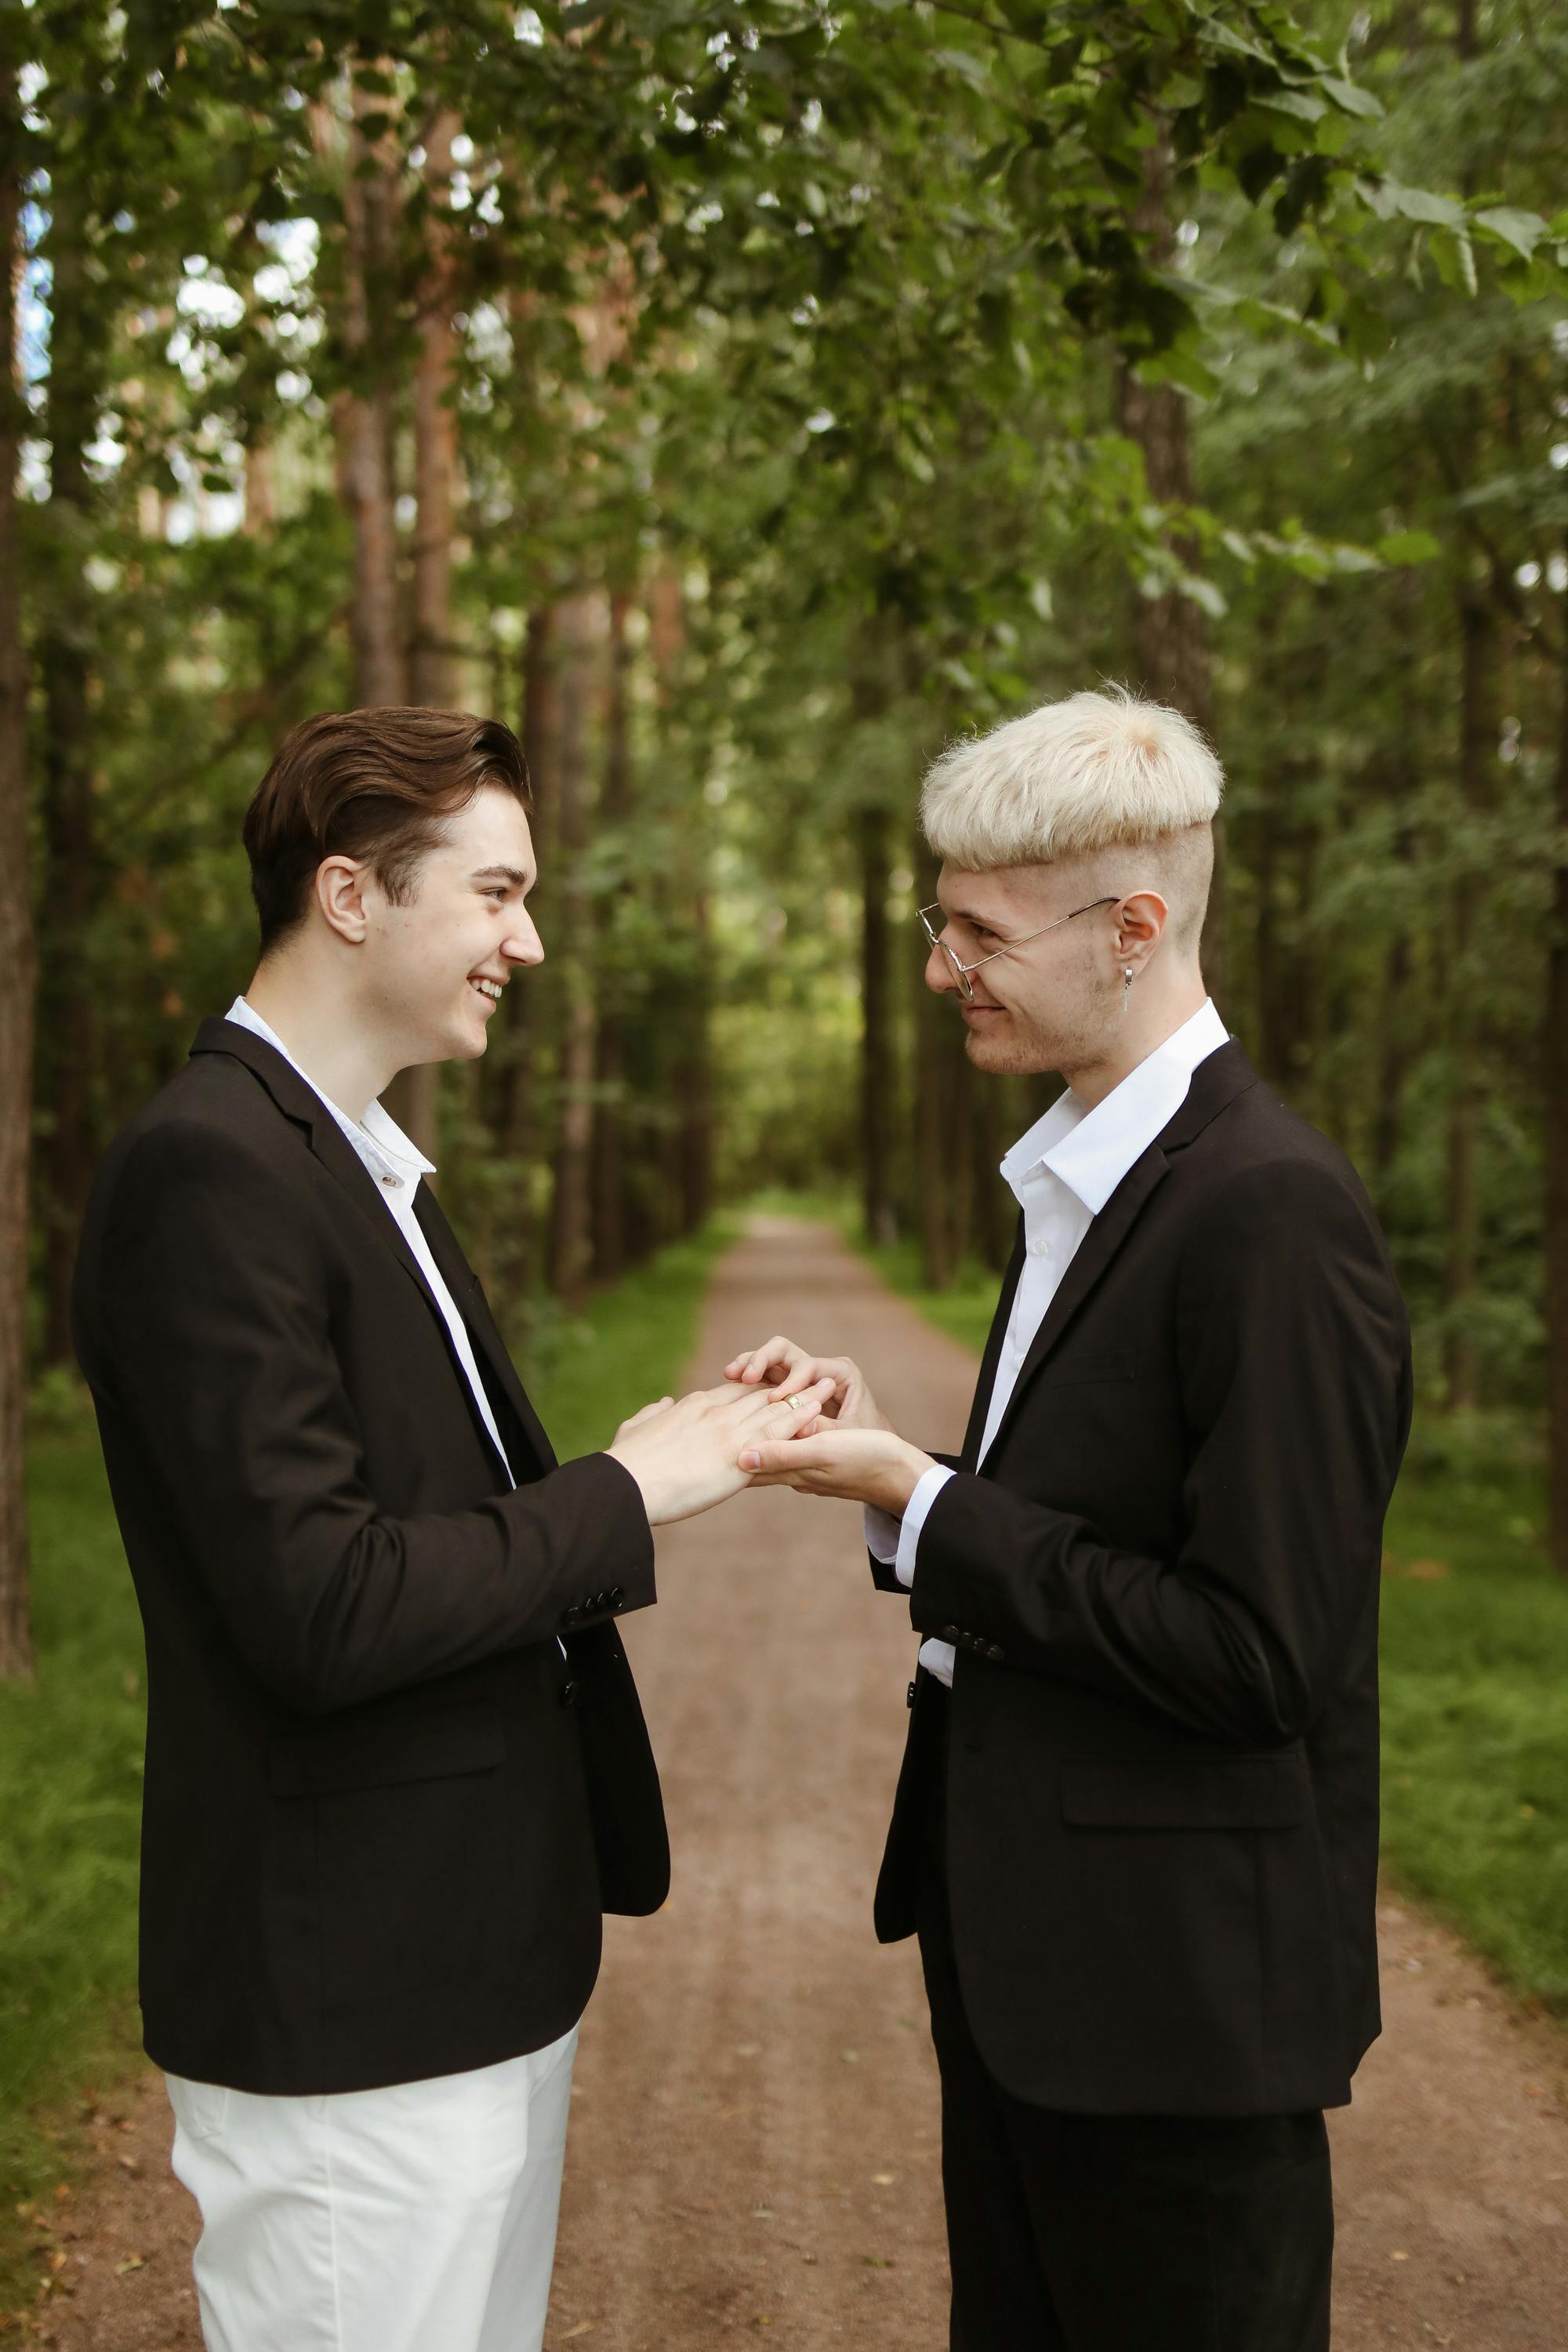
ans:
(583, 2327)
(877, 2261)
(1399, 2256)
(131, 2262)
(883, 2179)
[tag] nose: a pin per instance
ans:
(940, 975)
(522, 943)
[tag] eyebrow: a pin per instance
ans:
(515, 874)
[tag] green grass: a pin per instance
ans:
(70, 1748)
(1475, 1675)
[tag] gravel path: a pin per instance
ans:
(753, 2148)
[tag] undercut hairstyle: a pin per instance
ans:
(1094, 771)
(376, 785)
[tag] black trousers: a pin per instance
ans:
(1118, 2233)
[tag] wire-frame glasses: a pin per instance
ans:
(961, 972)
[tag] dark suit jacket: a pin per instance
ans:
(1160, 1764)
(383, 1810)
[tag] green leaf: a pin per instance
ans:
(1350, 99)
(1204, 595)
(1294, 103)
(964, 62)
(1456, 259)
(1180, 367)
(1409, 547)
(1423, 204)
(1521, 231)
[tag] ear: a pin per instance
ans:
(341, 894)
(1141, 923)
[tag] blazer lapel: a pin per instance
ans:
(301, 1103)
(993, 1356)
(473, 1304)
(1215, 1082)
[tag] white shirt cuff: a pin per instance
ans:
(881, 1532)
(914, 1520)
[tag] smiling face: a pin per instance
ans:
(1048, 1004)
(431, 970)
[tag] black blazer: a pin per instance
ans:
(383, 1810)
(1161, 1767)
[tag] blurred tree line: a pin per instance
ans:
(740, 400)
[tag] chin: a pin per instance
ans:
(1005, 1057)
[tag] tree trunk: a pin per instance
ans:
(571, 1214)
(939, 1139)
(512, 1097)
(1555, 1058)
(16, 947)
(363, 411)
(609, 1201)
(692, 1080)
(691, 1163)
(1171, 633)
(877, 1064)
(1479, 709)
(432, 669)
(67, 1010)
(412, 1094)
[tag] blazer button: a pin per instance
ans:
(950, 1633)
(997, 1651)
(909, 1696)
(570, 1617)
(569, 1694)
(618, 1597)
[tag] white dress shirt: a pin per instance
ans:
(396, 1166)
(1063, 1171)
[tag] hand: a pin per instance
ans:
(788, 1368)
(862, 1465)
(684, 1455)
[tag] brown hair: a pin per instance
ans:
(370, 784)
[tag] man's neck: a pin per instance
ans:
(1141, 1032)
(319, 1037)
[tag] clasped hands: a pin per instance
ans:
(783, 1417)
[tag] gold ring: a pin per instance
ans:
(795, 1402)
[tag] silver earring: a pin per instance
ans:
(1126, 985)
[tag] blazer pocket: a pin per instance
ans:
(1220, 1792)
(1078, 1371)
(435, 1746)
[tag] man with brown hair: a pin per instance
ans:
(396, 1764)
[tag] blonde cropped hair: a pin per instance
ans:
(1093, 771)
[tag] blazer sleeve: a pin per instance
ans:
(214, 1307)
(1294, 1365)
(884, 1576)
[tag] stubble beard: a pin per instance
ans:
(1026, 1049)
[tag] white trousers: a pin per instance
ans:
(416, 2219)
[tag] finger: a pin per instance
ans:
(835, 1369)
(797, 1413)
(660, 1404)
(791, 1456)
(777, 1355)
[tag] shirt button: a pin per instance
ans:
(390, 1183)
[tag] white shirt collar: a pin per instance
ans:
(379, 1141)
(1091, 1151)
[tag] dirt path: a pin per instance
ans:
(753, 2149)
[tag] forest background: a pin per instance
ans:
(743, 401)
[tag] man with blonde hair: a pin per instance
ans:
(1136, 1828)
